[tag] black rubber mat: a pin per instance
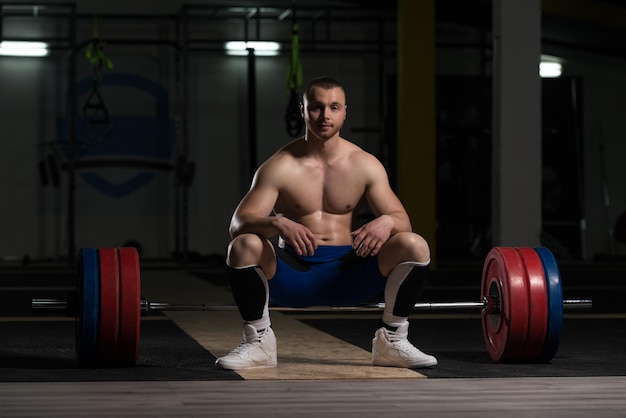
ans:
(44, 351)
(588, 347)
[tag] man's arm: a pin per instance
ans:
(391, 216)
(253, 214)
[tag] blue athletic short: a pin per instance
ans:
(333, 276)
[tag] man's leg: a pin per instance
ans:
(248, 283)
(390, 346)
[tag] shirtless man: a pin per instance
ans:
(307, 194)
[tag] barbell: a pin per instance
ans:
(521, 306)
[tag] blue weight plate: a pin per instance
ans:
(89, 297)
(555, 304)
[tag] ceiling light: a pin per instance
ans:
(23, 49)
(550, 69)
(265, 48)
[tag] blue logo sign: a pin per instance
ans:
(142, 144)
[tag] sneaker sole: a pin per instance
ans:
(405, 365)
(380, 360)
(235, 368)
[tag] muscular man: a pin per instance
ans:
(308, 194)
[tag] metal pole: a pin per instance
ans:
(59, 305)
(184, 74)
(252, 112)
(71, 154)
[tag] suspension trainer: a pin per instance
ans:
(293, 118)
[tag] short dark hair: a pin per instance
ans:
(325, 82)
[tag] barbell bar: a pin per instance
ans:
(147, 306)
(52, 305)
(521, 307)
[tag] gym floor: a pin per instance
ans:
(324, 358)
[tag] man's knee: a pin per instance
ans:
(411, 246)
(252, 250)
(420, 247)
(403, 247)
(245, 249)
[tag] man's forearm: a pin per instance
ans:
(401, 222)
(264, 226)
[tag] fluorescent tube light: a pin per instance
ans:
(550, 69)
(265, 48)
(23, 49)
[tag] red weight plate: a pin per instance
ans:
(130, 294)
(504, 277)
(106, 350)
(537, 305)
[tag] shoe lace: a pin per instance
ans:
(247, 345)
(400, 340)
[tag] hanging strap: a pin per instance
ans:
(294, 71)
(95, 53)
(99, 124)
(293, 118)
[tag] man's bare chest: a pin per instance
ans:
(332, 192)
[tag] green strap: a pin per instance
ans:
(96, 56)
(95, 53)
(294, 70)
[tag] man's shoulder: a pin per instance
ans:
(281, 159)
(363, 156)
(285, 154)
(366, 163)
(288, 155)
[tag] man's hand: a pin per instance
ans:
(370, 237)
(297, 235)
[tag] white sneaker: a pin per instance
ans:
(257, 351)
(392, 348)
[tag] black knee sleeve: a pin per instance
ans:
(249, 291)
(410, 290)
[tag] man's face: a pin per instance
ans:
(324, 111)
